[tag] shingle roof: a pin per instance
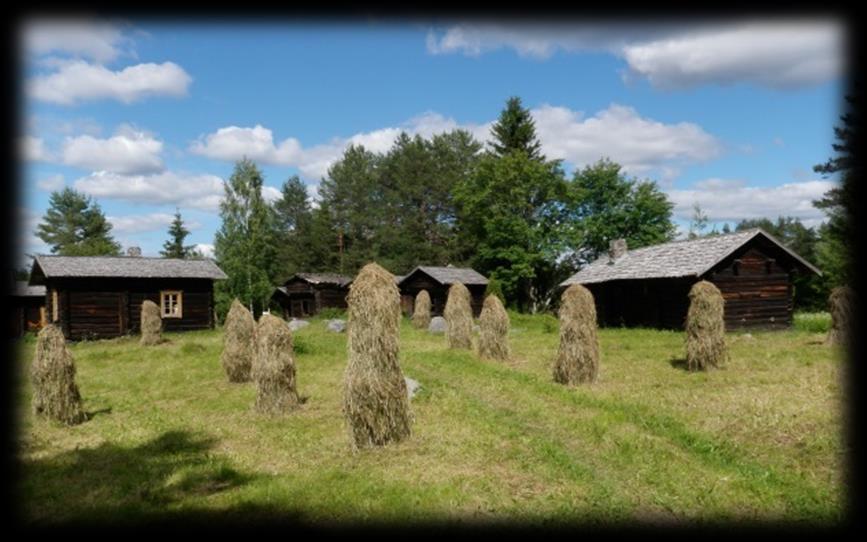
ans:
(324, 278)
(21, 289)
(125, 267)
(450, 275)
(676, 259)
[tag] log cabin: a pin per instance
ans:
(28, 308)
(437, 280)
(94, 297)
(649, 286)
(305, 294)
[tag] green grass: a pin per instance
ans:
(758, 440)
(813, 322)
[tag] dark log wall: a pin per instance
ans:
(100, 308)
(658, 303)
(26, 314)
(319, 296)
(438, 294)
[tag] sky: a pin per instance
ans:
(149, 116)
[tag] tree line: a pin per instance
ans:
(504, 209)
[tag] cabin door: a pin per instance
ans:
(301, 308)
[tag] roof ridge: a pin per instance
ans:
(127, 257)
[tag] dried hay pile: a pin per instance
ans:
(55, 393)
(375, 401)
(578, 355)
(459, 317)
(421, 313)
(274, 367)
(705, 328)
(494, 330)
(238, 343)
(151, 324)
(841, 305)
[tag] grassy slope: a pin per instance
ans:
(649, 441)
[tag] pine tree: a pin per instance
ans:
(74, 225)
(516, 130)
(174, 247)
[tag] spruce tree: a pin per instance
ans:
(174, 247)
(516, 130)
(74, 225)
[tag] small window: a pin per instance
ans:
(171, 303)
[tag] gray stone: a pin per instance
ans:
(337, 325)
(437, 325)
(476, 328)
(296, 324)
(412, 386)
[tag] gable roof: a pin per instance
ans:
(322, 278)
(685, 258)
(449, 275)
(22, 289)
(51, 267)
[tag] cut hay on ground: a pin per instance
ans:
(55, 394)
(375, 402)
(421, 313)
(705, 328)
(494, 330)
(578, 354)
(841, 305)
(274, 367)
(151, 324)
(459, 317)
(238, 343)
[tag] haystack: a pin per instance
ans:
(421, 313)
(494, 330)
(274, 367)
(578, 355)
(238, 343)
(841, 305)
(151, 324)
(705, 328)
(459, 317)
(55, 393)
(375, 401)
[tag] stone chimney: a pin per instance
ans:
(133, 252)
(616, 249)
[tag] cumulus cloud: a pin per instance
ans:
(26, 241)
(33, 149)
(199, 191)
(78, 80)
(133, 224)
(724, 200)
(98, 40)
(52, 183)
(130, 151)
(778, 54)
(206, 249)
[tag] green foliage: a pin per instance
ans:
(813, 322)
(330, 313)
(495, 288)
(515, 130)
(174, 247)
(74, 225)
(296, 245)
(245, 243)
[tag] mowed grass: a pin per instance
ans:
(649, 442)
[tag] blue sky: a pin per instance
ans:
(147, 116)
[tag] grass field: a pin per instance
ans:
(649, 442)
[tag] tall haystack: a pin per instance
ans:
(55, 393)
(421, 314)
(274, 367)
(238, 343)
(578, 355)
(705, 327)
(494, 330)
(841, 305)
(151, 324)
(459, 317)
(375, 401)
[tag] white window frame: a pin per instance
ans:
(178, 305)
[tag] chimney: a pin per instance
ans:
(616, 249)
(133, 252)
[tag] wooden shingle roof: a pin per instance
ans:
(51, 267)
(450, 275)
(22, 289)
(323, 278)
(676, 259)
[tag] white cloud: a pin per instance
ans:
(133, 224)
(199, 191)
(52, 183)
(77, 81)
(206, 249)
(27, 242)
(732, 200)
(778, 54)
(33, 149)
(129, 152)
(98, 40)
(257, 143)
(270, 194)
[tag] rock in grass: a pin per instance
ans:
(55, 393)
(238, 343)
(375, 399)
(421, 313)
(437, 325)
(296, 324)
(494, 330)
(336, 325)
(151, 324)
(274, 367)
(705, 327)
(412, 386)
(459, 317)
(578, 354)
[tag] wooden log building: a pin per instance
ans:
(28, 308)
(649, 287)
(437, 280)
(101, 296)
(305, 294)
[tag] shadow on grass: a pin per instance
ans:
(112, 483)
(679, 363)
(94, 413)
